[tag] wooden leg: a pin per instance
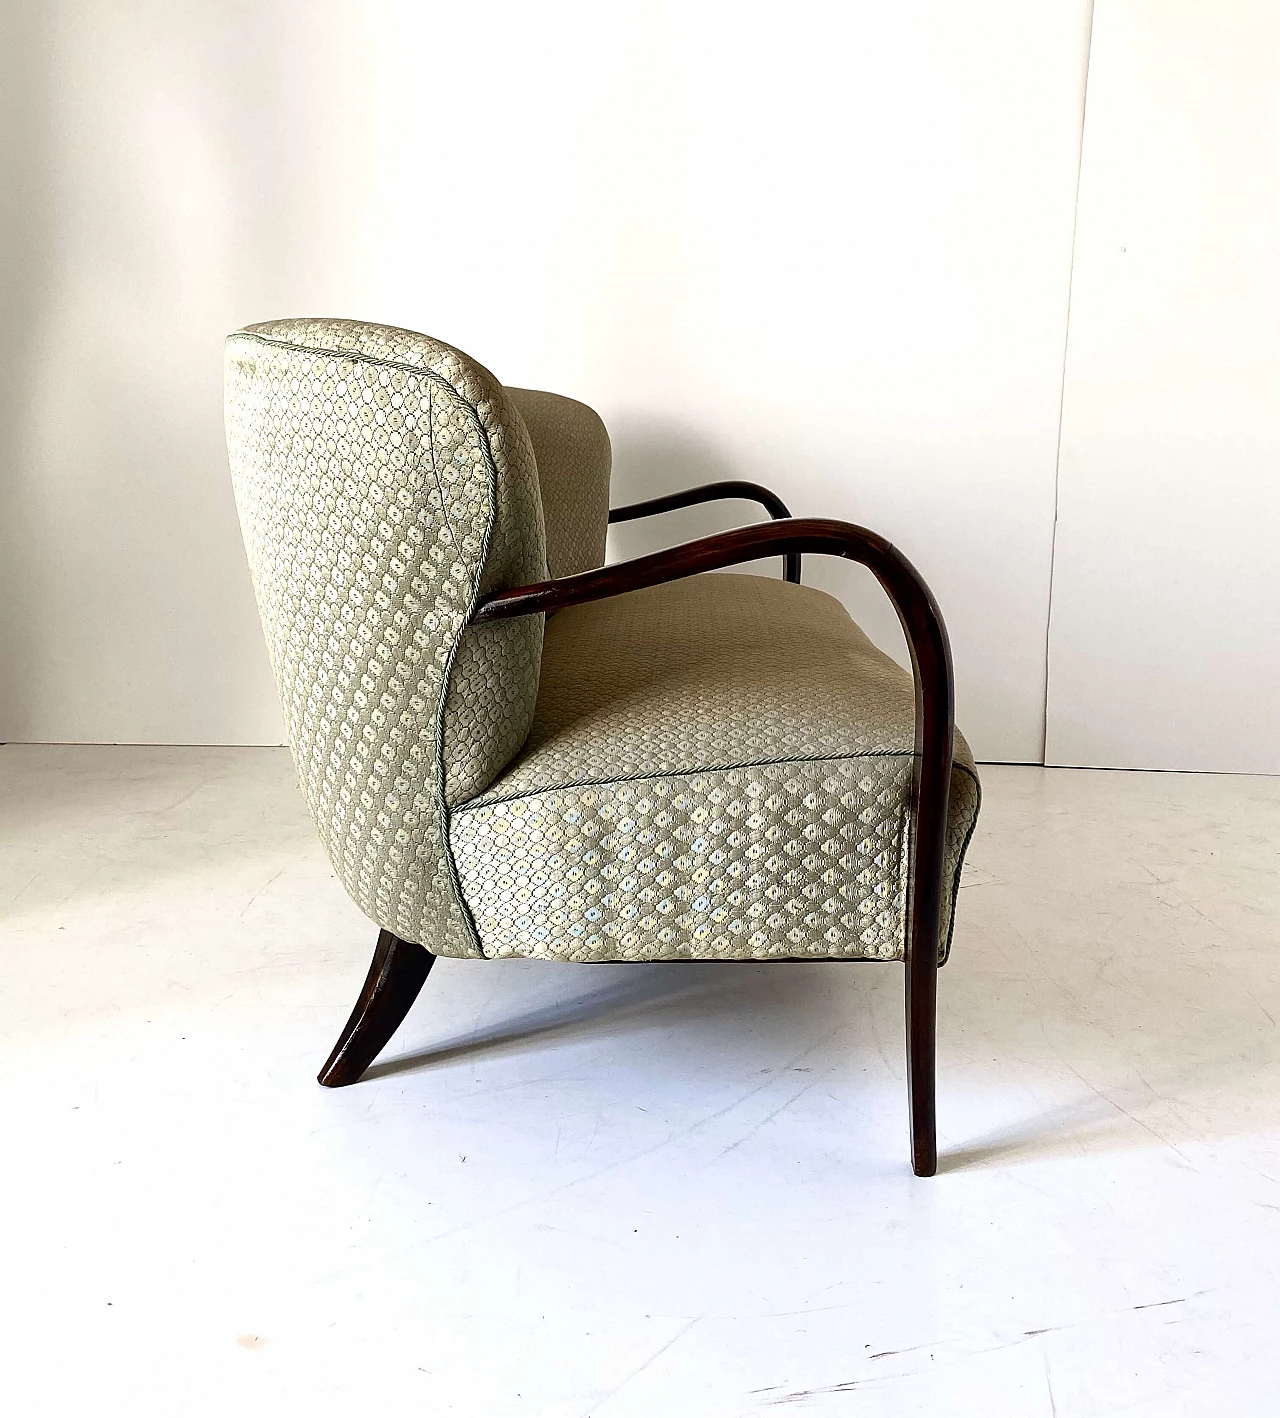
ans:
(935, 716)
(924, 898)
(395, 977)
(922, 998)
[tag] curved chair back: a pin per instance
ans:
(385, 481)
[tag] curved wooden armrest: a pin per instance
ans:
(714, 492)
(934, 730)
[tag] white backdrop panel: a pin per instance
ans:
(825, 247)
(1165, 644)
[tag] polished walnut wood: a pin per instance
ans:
(715, 492)
(396, 975)
(934, 733)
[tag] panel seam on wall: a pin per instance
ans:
(1062, 387)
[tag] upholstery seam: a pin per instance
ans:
(475, 804)
(361, 358)
(446, 812)
(435, 472)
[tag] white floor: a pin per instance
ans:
(657, 1191)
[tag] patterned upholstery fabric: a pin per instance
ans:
(717, 768)
(385, 481)
(574, 458)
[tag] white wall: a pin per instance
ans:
(1165, 645)
(825, 246)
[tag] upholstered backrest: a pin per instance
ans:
(384, 482)
(574, 459)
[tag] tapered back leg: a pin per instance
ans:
(396, 975)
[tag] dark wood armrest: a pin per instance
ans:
(714, 492)
(934, 729)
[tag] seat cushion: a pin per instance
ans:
(718, 768)
(572, 450)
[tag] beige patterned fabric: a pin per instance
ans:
(384, 481)
(714, 769)
(574, 459)
(718, 768)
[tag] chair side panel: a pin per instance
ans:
(369, 492)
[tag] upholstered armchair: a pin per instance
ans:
(511, 749)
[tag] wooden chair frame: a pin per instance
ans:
(400, 967)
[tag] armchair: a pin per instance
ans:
(511, 749)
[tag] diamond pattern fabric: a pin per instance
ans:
(574, 459)
(718, 768)
(384, 481)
